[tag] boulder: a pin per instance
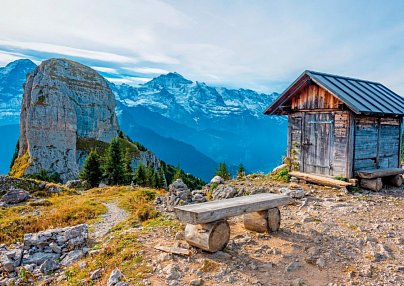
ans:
(48, 266)
(15, 196)
(296, 194)
(115, 277)
(224, 192)
(217, 180)
(96, 274)
(178, 194)
(74, 184)
(72, 257)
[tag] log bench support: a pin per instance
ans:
(211, 236)
(375, 178)
(263, 221)
(207, 227)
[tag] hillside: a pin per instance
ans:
(325, 237)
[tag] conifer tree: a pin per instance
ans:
(140, 175)
(223, 172)
(127, 167)
(113, 168)
(92, 172)
(178, 173)
(161, 179)
(240, 171)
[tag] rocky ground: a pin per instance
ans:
(327, 237)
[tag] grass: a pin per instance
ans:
(282, 175)
(20, 165)
(121, 249)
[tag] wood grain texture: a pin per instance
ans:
(379, 173)
(211, 237)
(371, 184)
(326, 181)
(221, 209)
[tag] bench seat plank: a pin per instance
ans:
(379, 173)
(221, 209)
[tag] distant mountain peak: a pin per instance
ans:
(172, 80)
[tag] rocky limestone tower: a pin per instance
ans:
(64, 103)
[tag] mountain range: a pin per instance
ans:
(183, 122)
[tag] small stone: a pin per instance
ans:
(196, 282)
(7, 263)
(48, 266)
(172, 272)
(96, 274)
(83, 265)
(72, 257)
(320, 262)
(293, 266)
(115, 277)
(163, 257)
(55, 248)
(180, 235)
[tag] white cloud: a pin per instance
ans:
(147, 70)
(134, 81)
(106, 70)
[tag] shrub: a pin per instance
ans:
(145, 212)
(282, 175)
(44, 175)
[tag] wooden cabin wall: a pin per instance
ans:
(314, 97)
(338, 143)
(377, 142)
(342, 149)
(295, 139)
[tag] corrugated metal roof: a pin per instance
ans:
(361, 96)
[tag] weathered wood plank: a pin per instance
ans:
(372, 184)
(221, 209)
(378, 173)
(320, 180)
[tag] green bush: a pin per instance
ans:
(282, 175)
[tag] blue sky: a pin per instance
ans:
(262, 45)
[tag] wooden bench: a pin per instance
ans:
(373, 179)
(208, 229)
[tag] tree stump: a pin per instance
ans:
(372, 184)
(263, 221)
(211, 237)
(396, 180)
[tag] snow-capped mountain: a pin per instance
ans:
(183, 121)
(193, 103)
(12, 77)
(224, 124)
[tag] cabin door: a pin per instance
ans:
(317, 143)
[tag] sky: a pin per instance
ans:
(261, 45)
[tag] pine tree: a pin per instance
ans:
(240, 171)
(223, 172)
(127, 167)
(161, 179)
(92, 172)
(178, 173)
(140, 175)
(113, 168)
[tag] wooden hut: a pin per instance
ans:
(345, 127)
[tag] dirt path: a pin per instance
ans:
(113, 216)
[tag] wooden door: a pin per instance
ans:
(317, 143)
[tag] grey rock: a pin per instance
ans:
(15, 196)
(63, 101)
(48, 266)
(172, 272)
(217, 180)
(38, 258)
(296, 194)
(224, 192)
(74, 184)
(178, 194)
(320, 262)
(293, 266)
(6, 263)
(115, 277)
(196, 282)
(72, 257)
(96, 274)
(55, 248)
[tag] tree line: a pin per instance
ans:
(114, 167)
